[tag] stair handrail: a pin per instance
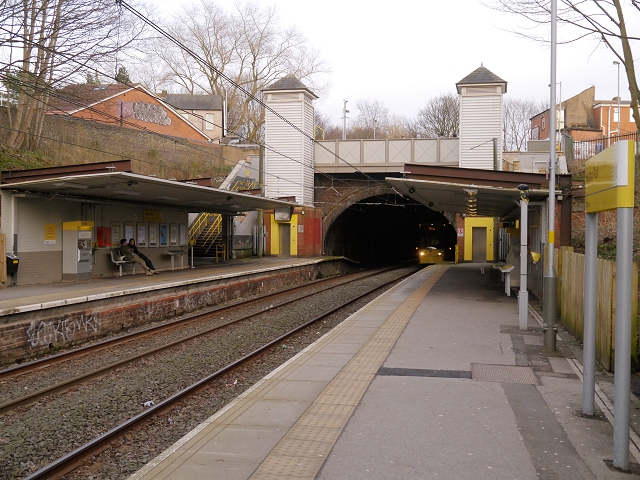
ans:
(209, 231)
(198, 225)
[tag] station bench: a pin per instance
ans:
(118, 260)
(505, 270)
(173, 253)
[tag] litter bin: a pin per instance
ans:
(12, 263)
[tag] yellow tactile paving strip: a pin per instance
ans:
(304, 448)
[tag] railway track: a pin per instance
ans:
(276, 300)
(260, 319)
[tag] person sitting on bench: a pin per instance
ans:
(129, 255)
(132, 246)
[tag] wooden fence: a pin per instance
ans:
(571, 303)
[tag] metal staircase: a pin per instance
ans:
(205, 233)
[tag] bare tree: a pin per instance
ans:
(45, 43)
(324, 130)
(397, 127)
(440, 117)
(247, 46)
(372, 120)
(517, 122)
(613, 22)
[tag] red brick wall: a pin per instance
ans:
(460, 240)
(160, 118)
(537, 122)
(310, 239)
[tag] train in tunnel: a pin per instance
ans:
(434, 243)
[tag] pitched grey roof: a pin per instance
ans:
(185, 101)
(290, 82)
(481, 75)
(78, 97)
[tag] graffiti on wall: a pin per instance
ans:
(42, 333)
(145, 112)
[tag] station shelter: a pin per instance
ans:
(62, 223)
(486, 209)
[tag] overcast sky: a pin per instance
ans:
(410, 51)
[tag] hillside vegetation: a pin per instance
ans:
(68, 141)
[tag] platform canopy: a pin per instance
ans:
(106, 183)
(449, 189)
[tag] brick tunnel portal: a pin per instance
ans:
(385, 228)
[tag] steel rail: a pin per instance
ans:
(77, 457)
(27, 367)
(65, 385)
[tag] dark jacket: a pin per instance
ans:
(126, 252)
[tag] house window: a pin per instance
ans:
(209, 121)
(544, 123)
(615, 114)
(535, 133)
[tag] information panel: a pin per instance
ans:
(609, 178)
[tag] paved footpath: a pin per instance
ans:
(431, 380)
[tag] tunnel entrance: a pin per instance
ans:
(384, 229)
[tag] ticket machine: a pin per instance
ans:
(77, 245)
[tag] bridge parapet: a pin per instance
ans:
(389, 155)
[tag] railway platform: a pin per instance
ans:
(433, 379)
(21, 298)
(35, 319)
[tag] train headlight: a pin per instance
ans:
(439, 253)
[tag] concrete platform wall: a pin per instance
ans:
(26, 334)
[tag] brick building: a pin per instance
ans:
(127, 106)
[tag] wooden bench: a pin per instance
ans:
(118, 260)
(173, 253)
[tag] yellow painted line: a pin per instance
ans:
(302, 451)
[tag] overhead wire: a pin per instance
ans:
(175, 167)
(239, 87)
(74, 101)
(54, 93)
(251, 96)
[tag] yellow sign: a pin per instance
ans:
(609, 178)
(49, 233)
(152, 216)
(79, 225)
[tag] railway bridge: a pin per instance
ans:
(366, 199)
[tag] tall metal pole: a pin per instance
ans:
(560, 116)
(523, 294)
(344, 120)
(260, 235)
(550, 281)
(622, 379)
(590, 295)
(619, 112)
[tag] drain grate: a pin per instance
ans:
(421, 372)
(503, 374)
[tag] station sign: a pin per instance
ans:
(609, 178)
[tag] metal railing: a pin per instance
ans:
(205, 231)
(580, 151)
(198, 225)
(210, 236)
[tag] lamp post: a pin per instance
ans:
(560, 116)
(550, 280)
(617, 63)
(344, 120)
